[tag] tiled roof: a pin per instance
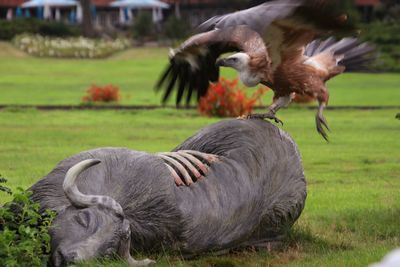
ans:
(100, 2)
(11, 3)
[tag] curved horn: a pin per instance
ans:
(81, 200)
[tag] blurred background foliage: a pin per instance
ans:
(9, 29)
(143, 27)
(379, 24)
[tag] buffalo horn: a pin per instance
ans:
(81, 200)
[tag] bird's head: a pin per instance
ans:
(238, 61)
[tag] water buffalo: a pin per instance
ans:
(246, 188)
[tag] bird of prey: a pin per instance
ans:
(277, 44)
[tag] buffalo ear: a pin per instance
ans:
(83, 218)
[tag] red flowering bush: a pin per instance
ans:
(226, 99)
(106, 93)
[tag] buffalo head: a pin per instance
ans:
(93, 226)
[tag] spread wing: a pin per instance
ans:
(192, 66)
(286, 25)
(256, 18)
(333, 56)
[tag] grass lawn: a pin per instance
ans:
(352, 211)
(25, 80)
(353, 208)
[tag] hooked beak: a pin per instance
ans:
(222, 62)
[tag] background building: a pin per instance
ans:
(194, 11)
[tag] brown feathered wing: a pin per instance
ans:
(285, 27)
(192, 65)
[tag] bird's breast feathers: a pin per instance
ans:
(250, 79)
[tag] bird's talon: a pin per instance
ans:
(265, 116)
(251, 116)
(278, 121)
(321, 122)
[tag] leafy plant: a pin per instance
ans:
(226, 99)
(24, 237)
(143, 26)
(58, 29)
(4, 188)
(176, 29)
(386, 37)
(9, 29)
(106, 93)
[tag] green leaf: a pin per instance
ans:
(24, 237)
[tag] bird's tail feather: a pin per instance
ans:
(355, 55)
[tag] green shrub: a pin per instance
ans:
(24, 237)
(386, 36)
(382, 32)
(176, 29)
(58, 29)
(143, 26)
(9, 29)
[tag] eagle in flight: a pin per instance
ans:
(277, 44)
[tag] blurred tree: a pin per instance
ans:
(177, 5)
(232, 4)
(143, 26)
(388, 10)
(177, 9)
(390, 3)
(87, 25)
(176, 29)
(349, 7)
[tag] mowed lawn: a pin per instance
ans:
(352, 211)
(31, 81)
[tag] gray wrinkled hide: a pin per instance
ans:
(257, 190)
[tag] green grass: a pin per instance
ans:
(32, 81)
(353, 205)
